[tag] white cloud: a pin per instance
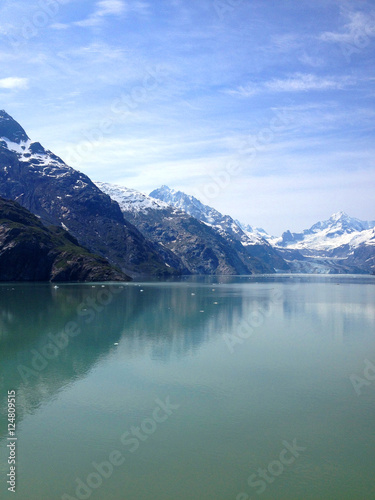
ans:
(298, 82)
(303, 82)
(245, 90)
(110, 7)
(59, 26)
(14, 83)
(359, 27)
(103, 8)
(285, 42)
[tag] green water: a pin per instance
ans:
(191, 390)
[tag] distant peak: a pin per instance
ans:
(339, 215)
(163, 191)
(167, 189)
(10, 129)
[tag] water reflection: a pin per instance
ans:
(160, 320)
(163, 319)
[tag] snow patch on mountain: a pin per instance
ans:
(223, 224)
(34, 154)
(19, 148)
(188, 204)
(325, 236)
(131, 200)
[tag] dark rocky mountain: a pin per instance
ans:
(190, 245)
(168, 232)
(29, 251)
(42, 183)
(251, 247)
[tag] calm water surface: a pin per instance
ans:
(200, 389)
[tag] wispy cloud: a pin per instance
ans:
(298, 82)
(302, 82)
(286, 42)
(59, 26)
(359, 25)
(14, 83)
(103, 8)
(245, 90)
(234, 80)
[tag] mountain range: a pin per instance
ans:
(167, 232)
(338, 244)
(203, 240)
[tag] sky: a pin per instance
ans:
(262, 109)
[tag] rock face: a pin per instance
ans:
(340, 244)
(29, 251)
(190, 245)
(42, 183)
(252, 249)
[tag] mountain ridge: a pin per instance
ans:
(197, 246)
(168, 232)
(60, 195)
(254, 245)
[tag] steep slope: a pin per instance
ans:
(31, 252)
(41, 182)
(189, 244)
(339, 244)
(250, 245)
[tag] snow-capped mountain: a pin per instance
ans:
(14, 138)
(253, 243)
(224, 224)
(252, 230)
(59, 195)
(338, 244)
(131, 200)
(326, 236)
(168, 231)
(190, 245)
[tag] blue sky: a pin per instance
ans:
(262, 109)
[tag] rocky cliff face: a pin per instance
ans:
(31, 252)
(252, 249)
(190, 245)
(41, 182)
